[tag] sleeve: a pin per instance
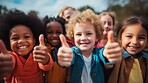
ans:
(103, 59)
(48, 66)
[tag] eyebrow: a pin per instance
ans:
(24, 34)
(139, 35)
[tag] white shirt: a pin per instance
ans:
(86, 78)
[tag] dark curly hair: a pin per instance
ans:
(16, 17)
(60, 20)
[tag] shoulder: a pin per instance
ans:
(145, 54)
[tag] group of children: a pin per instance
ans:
(31, 49)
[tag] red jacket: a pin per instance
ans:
(27, 71)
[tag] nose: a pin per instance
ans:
(134, 41)
(106, 25)
(83, 37)
(21, 40)
(54, 35)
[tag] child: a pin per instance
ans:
(54, 27)
(21, 33)
(66, 12)
(108, 20)
(84, 60)
(132, 34)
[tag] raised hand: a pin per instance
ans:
(6, 63)
(65, 54)
(112, 51)
(40, 52)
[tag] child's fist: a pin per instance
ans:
(112, 51)
(65, 54)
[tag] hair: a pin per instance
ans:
(60, 20)
(130, 21)
(61, 13)
(15, 17)
(83, 17)
(111, 14)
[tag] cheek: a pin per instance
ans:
(13, 45)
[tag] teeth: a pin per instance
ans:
(22, 47)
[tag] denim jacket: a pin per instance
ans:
(77, 65)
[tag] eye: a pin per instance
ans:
(89, 34)
(109, 23)
(14, 38)
(27, 37)
(50, 33)
(141, 37)
(78, 34)
(129, 36)
(68, 17)
(58, 32)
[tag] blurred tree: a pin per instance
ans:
(87, 7)
(132, 8)
(33, 13)
(3, 9)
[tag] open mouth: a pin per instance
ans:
(133, 47)
(22, 47)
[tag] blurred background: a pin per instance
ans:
(40, 8)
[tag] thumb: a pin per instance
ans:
(41, 40)
(110, 37)
(63, 40)
(3, 48)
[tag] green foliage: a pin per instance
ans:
(133, 8)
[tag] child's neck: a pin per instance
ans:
(86, 54)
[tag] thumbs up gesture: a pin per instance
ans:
(65, 54)
(40, 52)
(6, 63)
(112, 51)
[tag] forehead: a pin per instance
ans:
(68, 11)
(54, 25)
(84, 27)
(106, 18)
(20, 29)
(135, 29)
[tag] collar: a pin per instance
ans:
(126, 54)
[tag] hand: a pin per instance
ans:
(112, 51)
(40, 52)
(65, 54)
(6, 63)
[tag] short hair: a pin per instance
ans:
(16, 17)
(130, 21)
(60, 20)
(82, 17)
(61, 13)
(111, 14)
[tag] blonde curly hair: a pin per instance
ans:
(61, 13)
(83, 17)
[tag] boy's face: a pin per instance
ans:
(84, 36)
(54, 29)
(134, 38)
(21, 40)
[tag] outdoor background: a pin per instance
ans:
(41, 8)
